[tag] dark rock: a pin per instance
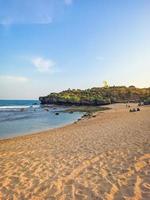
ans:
(71, 112)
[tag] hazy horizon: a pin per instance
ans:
(49, 46)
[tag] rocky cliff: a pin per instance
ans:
(98, 96)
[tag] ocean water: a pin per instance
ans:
(20, 117)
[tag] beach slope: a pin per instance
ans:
(103, 157)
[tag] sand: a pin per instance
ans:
(105, 157)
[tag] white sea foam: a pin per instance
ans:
(17, 107)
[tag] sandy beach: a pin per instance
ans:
(103, 157)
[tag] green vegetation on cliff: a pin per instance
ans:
(98, 96)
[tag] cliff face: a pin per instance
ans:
(61, 101)
(97, 96)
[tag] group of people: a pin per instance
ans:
(132, 109)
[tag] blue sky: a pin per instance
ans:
(52, 45)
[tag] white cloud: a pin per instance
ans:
(68, 2)
(43, 65)
(13, 78)
(15, 87)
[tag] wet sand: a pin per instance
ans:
(104, 157)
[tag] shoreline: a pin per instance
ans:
(106, 157)
(88, 112)
(109, 108)
(19, 123)
(37, 132)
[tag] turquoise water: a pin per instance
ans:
(20, 117)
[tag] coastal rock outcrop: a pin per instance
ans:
(98, 96)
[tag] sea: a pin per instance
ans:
(21, 117)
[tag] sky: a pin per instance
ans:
(52, 45)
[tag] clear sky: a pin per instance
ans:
(52, 45)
